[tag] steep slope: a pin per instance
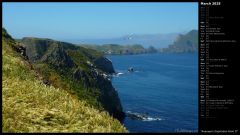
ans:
(29, 105)
(85, 72)
(187, 43)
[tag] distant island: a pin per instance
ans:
(116, 49)
(187, 43)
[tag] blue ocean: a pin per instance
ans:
(160, 94)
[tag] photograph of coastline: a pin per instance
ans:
(100, 67)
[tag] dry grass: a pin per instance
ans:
(30, 106)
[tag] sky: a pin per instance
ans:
(97, 20)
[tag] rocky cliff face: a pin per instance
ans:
(82, 70)
(104, 64)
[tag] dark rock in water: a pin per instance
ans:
(136, 116)
(143, 117)
(130, 69)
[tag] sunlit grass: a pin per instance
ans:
(28, 105)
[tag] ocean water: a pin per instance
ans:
(161, 95)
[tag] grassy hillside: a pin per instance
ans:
(29, 105)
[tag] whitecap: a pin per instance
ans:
(118, 74)
(151, 119)
(142, 117)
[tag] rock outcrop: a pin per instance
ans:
(104, 64)
(58, 57)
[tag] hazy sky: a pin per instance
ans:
(97, 20)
